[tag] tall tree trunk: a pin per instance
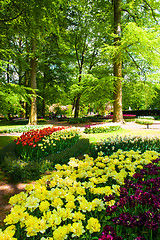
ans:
(44, 95)
(22, 113)
(80, 61)
(78, 97)
(117, 95)
(33, 82)
(27, 75)
(76, 111)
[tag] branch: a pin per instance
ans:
(77, 52)
(93, 56)
(11, 19)
(125, 10)
(153, 15)
(138, 67)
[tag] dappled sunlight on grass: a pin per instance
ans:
(140, 132)
(5, 140)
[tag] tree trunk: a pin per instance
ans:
(80, 65)
(117, 95)
(76, 112)
(44, 96)
(33, 113)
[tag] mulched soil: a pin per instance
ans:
(6, 191)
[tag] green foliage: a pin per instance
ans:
(77, 120)
(11, 96)
(102, 129)
(5, 140)
(19, 170)
(126, 143)
(136, 97)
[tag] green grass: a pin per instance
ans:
(5, 140)
(101, 136)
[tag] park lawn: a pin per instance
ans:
(5, 140)
(95, 137)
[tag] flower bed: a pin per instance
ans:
(69, 203)
(144, 121)
(112, 144)
(28, 142)
(103, 129)
(22, 129)
(32, 150)
(135, 214)
(125, 116)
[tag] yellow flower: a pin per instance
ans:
(32, 203)
(57, 202)
(77, 229)
(78, 216)
(60, 233)
(65, 213)
(17, 214)
(80, 191)
(44, 206)
(8, 233)
(93, 225)
(70, 205)
(32, 226)
(18, 199)
(99, 204)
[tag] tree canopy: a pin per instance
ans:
(84, 53)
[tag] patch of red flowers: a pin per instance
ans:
(33, 136)
(125, 116)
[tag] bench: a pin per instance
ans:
(154, 123)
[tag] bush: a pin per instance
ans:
(77, 120)
(92, 129)
(112, 144)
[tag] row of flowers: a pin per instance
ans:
(39, 143)
(69, 203)
(100, 129)
(33, 136)
(112, 144)
(125, 116)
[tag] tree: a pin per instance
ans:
(117, 95)
(135, 37)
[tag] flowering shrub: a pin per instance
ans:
(135, 214)
(112, 144)
(144, 121)
(103, 129)
(28, 143)
(69, 203)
